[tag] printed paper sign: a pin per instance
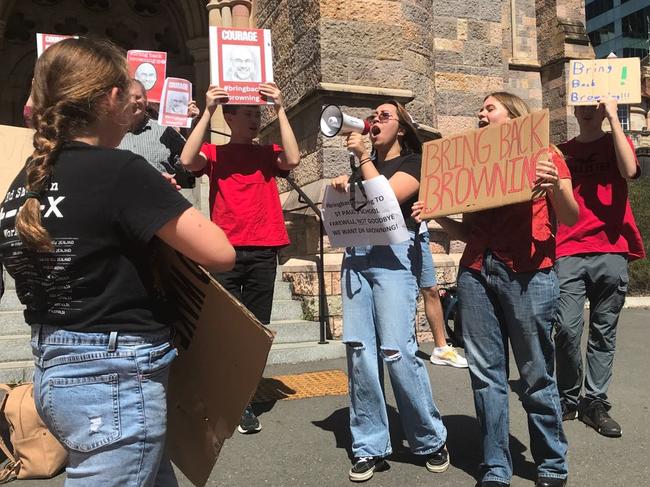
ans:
(483, 168)
(380, 222)
(176, 96)
(591, 80)
(241, 59)
(150, 68)
(43, 41)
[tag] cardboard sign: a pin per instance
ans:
(150, 68)
(43, 41)
(16, 145)
(176, 96)
(222, 354)
(241, 59)
(379, 222)
(591, 80)
(483, 168)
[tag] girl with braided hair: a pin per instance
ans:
(75, 231)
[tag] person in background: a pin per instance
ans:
(593, 256)
(78, 248)
(244, 199)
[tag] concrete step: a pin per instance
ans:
(286, 309)
(17, 371)
(282, 290)
(293, 353)
(295, 331)
(15, 348)
(13, 323)
(10, 301)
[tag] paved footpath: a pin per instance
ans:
(306, 442)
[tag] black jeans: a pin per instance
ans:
(252, 280)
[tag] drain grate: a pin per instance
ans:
(301, 386)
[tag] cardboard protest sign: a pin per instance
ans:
(222, 354)
(43, 41)
(379, 222)
(241, 59)
(150, 68)
(176, 96)
(16, 145)
(483, 168)
(591, 80)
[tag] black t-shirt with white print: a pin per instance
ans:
(102, 209)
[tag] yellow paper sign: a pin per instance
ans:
(591, 80)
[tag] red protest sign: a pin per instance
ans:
(150, 68)
(241, 59)
(176, 97)
(43, 41)
(483, 168)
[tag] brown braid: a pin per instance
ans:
(71, 81)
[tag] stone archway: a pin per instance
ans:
(178, 27)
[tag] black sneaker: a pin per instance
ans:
(438, 462)
(364, 468)
(249, 422)
(595, 415)
(569, 412)
(492, 483)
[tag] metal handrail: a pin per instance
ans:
(320, 264)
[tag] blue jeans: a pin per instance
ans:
(379, 292)
(104, 397)
(498, 305)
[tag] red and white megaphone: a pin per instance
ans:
(334, 122)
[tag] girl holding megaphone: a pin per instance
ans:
(379, 294)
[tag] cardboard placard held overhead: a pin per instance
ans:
(16, 145)
(241, 59)
(150, 68)
(222, 354)
(483, 168)
(591, 80)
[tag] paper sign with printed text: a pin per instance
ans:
(43, 41)
(241, 59)
(150, 68)
(484, 168)
(379, 222)
(176, 96)
(593, 79)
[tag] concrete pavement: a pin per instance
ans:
(306, 442)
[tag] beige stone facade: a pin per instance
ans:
(441, 57)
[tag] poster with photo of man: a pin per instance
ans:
(176, 96)
(241, 59)
(150, 68)
(43, 41)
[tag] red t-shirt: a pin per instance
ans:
(521, 235)
(244, 198)
(606, 223)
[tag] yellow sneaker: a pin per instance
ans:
(448, 356)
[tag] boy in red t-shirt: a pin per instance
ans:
(244, 199)
(592, 258)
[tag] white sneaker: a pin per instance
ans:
(448, 356)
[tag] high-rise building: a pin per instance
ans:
(619, 26)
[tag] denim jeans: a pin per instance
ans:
(104, 397)
(379, 293)
(497, 306)
(603, 279)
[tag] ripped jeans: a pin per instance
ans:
(104, 398)
(379, 293)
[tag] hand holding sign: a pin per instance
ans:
(215, 96)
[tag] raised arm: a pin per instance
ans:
(625, 159)
(290, 157)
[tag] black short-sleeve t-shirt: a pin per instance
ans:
(102, 209)
(409, 164)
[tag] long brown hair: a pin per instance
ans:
(71, 81)
(516, 106)
(411, 142)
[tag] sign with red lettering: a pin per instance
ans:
(176, 97)
(150, 68)
(483, 168)
(43, 41)
(241, 59)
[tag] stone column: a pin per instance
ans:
(6, 7)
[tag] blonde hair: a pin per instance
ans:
(71, 81)
(516, 106)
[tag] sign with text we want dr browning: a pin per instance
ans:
(241, 59)
(484, 168)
